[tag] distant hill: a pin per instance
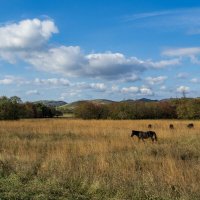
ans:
(69, 108)
(139, 100)
(182, 98)
(52, 103)
(102, 101)
(146, 100)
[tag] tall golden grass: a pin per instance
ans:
(97, 159)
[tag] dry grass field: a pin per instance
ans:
(80, 159)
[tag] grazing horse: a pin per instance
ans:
(144, 135)
(190, 125)
(149, 126)
(171, 126)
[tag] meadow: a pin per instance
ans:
(97, 159)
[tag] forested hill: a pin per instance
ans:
(51, 103)
(183, 108)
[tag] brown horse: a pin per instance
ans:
(190, 125)
(145, 135)
(171, 126)
(149, 126)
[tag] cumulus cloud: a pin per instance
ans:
(137, 90)
(27, 41)
(156, 80)
(64, 60)
(112, 64)
(183, 89)
(27, 34)
(131, 89)
(70, 61)
(146, 91)
(98, 86)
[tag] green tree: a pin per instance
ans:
(9, 109)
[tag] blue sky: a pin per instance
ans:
(74, 49)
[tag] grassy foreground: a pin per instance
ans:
(77, 159)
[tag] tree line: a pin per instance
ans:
(183, 108)
(13, 108)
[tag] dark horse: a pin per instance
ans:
(171, 126)
(190, 125)
(145, 135)
(149, 126)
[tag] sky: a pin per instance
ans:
(110, 49)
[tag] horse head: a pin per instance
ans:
(133, 133)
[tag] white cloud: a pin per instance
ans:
(182, 51)
(8, 80)
(112, 64)
(133, 90)
(63, 60)
(27, 41)
(146, 91)
(132, 78)
(139, 16)
(70, 94)
(70, 61)
(98, 86)
(27, 34)
(191, 52)
(156, 80)
(195, 80)
(183, 89)
(194, 59)
(186, 20)
(163, 87)
(182, 75)
(115, 88)
(52, 81)
(32, 92)
(164, 63)
(74, 87)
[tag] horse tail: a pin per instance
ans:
(155, 136)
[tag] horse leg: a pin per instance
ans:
(143, 140)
